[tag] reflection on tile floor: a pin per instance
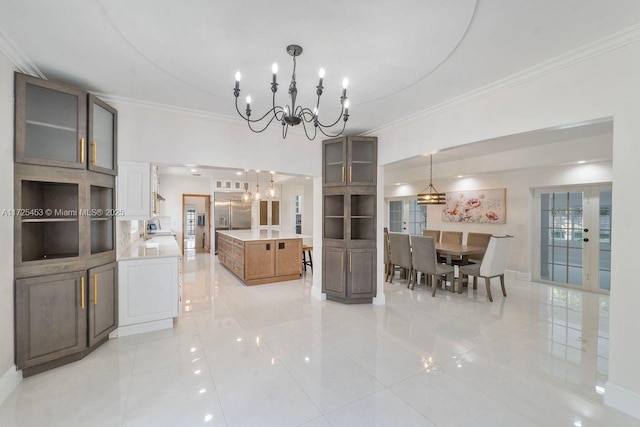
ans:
(271, 355)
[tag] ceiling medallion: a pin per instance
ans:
(292, 115)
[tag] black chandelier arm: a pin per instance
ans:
(285, 129)
(265, 126)
(315, 130)
(340, 116)
(344, 125)
(272, 110)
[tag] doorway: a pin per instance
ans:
(195, 223)
(573, 237)
(406, 216)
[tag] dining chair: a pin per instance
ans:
(478, 239)
(432, 233)
(425, 260)
(388, 268)
(454, 237)
(493, 264)
(400, 251)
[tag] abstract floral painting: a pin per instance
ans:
(477, 206)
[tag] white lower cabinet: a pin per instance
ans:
(148, 294)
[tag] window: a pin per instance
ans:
(417, 218)
(191, 222)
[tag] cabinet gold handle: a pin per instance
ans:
(350, 261)
(81, 150)
(95, 289)
(343, 261)
(350, 173)
(82, 292)
(343, 174)
(94, 158)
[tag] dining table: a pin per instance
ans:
(460, 252)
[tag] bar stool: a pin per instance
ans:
(307, 249)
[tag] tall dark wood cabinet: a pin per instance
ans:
(64, 216)
(349, 219)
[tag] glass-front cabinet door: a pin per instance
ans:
(102, 136)
(361, 157)
(334, 163)
(50, 123)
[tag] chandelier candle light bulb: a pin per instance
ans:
(292, 115)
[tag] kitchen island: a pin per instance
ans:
(261, 256)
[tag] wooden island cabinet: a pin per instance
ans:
(261, 256)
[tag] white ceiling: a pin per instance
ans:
(400, 57)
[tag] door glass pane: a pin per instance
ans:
(103, 136)
(561, 237)
(395, 216)
(333, 166)
(604, 258)
(51, 124)
(417, 218)
(275, 212)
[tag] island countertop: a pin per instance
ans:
(258, 234)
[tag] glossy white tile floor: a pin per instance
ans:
(270, 355)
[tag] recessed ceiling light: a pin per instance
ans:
(460, 176)
(581, 162)
(272, 172)
(257, 170)
(194, 170)
(306, 177)
(238, 173)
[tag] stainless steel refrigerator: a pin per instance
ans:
(230, 212)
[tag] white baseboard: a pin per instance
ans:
(317, 293)
(518, 275)
(8, 382)
(622, 399)
(140, 328)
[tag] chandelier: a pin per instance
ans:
(430, 196)
(292, 115)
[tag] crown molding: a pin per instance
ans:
(13, 53)
(601, 46)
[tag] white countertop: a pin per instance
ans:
(258, 234)
(156, 247)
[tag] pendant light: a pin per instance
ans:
(430, 196)
(246, 196)
(272, 190)
(257, 195)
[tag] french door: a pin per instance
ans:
(406, 216)
(573, 237)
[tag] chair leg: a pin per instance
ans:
(475, 282)
(392, 273)
(310, 261)
(411, 280)
(504, 291)
(487, 281)
(434, 285)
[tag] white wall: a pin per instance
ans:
(6, 221)
(167, 138)
(595, 86)
(172, 187)
(518, 185)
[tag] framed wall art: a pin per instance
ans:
(476, 206)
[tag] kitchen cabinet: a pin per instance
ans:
(64, 234)
(148, 286)
(50, 123)
(102, 136)
(134, 190)
(102, 302)
(349, 161)
(51, 318)
(259, 259)
(63, 126)
(349, 212)
(349, 274)
(269, 212)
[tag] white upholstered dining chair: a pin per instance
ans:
(493, 264)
